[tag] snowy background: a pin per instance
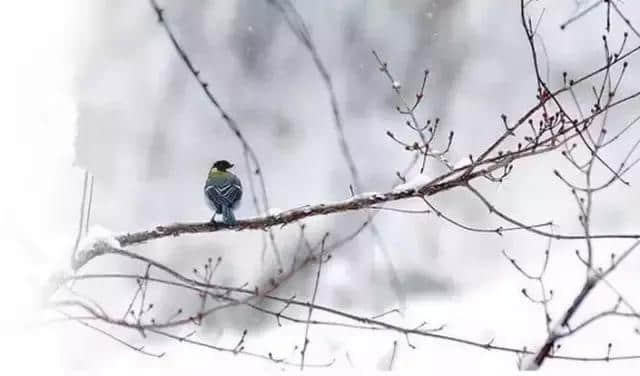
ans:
(99, 87)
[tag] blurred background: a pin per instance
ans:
(99, 87)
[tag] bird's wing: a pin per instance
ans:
(238, 189)
(225, 192)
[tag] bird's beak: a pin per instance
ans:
(231, 165)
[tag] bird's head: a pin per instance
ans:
(222, 165)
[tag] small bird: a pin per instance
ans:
(223, 191)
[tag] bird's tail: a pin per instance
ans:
(227, 216)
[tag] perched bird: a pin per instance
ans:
(223, 191)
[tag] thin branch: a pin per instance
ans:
(81, 218)
(139, 349)
(229, 121)
(269, 356)
(361, 319)
(89, 204)
(313, 301)
(580, 14)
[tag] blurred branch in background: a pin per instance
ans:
(546, 127)
(299, 29)
(251, 159)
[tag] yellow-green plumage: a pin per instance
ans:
(214, 173)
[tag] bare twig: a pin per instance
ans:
(139, 349)
(229, 121)
(81, 218)
(313, 301)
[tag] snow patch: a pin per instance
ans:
(528, 363)
(274, 212)
(364, 195)
(96, 235)
(417, 182)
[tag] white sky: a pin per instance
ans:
(36, 149)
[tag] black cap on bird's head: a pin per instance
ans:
(222, 165)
